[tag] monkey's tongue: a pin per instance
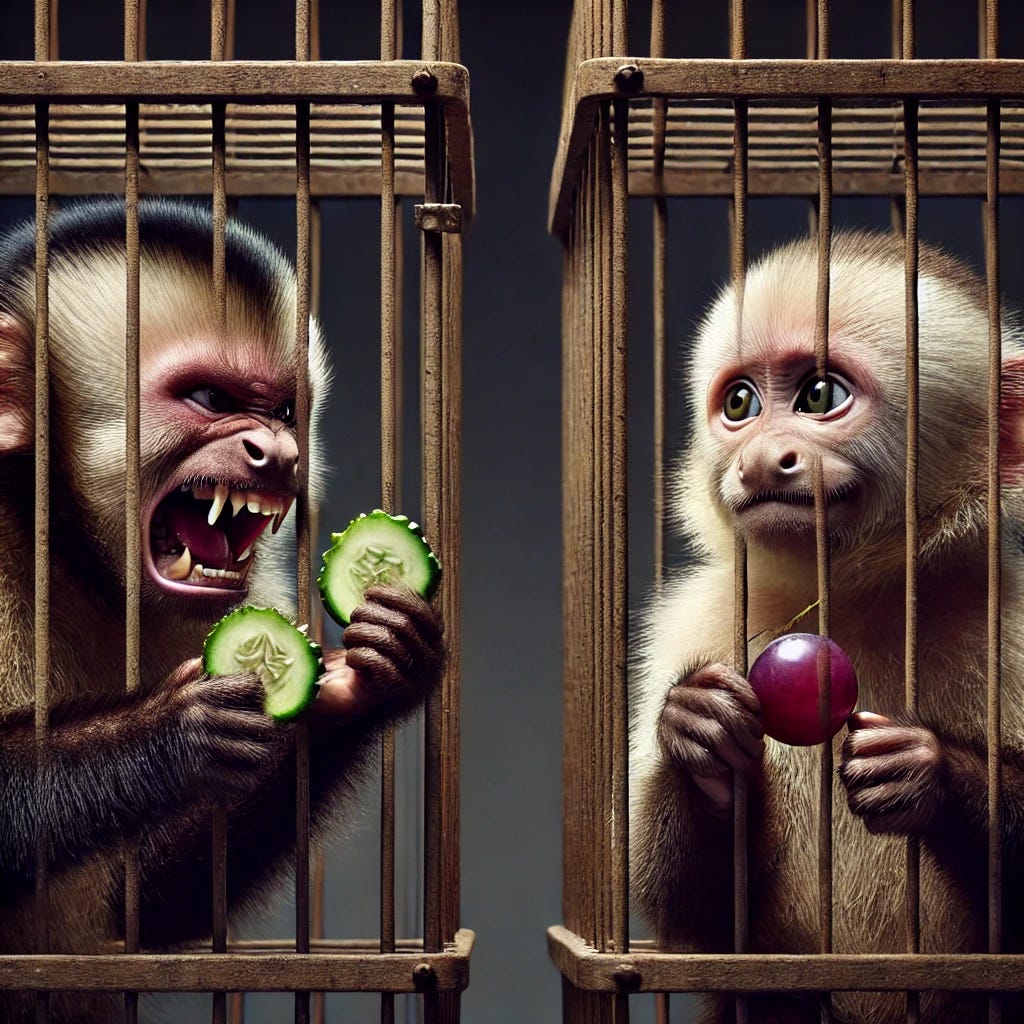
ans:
(208, 544)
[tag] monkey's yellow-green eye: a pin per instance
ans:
(741, 402)
(820, 396)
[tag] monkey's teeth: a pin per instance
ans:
(222, 574)
(237, 503)
(278, 520)
(253, 503)
(220, 498)
(197, 572)
(180, 569)
(245, 554)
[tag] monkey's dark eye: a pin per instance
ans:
(742, 402)
(285, 412)
(820, 396)
(212, 399)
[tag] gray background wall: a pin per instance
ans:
(511, 758)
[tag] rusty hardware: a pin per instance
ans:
(442, 217)
(627, 979)
(424, 83)
(629, 78)
(424, 976)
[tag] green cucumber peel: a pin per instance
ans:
(262, 640)
(375, 548)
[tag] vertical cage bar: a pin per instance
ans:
(390, 447)
(994, 673)
(41, 619)
(42, 506)
(316, 612)
(824, 30)
(602, 532)
(303, 523)
(619, 705)
(659, 263)
(133, 539)
(912, 504)
(738, 212)
(660, 344)
(219, 835)
(823, 553)
(738, 215)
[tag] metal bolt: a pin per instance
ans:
(627, 979)
(424, 976)
(424, 83)
(629, 78)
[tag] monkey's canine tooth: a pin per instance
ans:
(237, 502)
(278, 520)
(220, 497)
(180, 569)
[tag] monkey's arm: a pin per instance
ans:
(682, 836)
(113, 765)
(393, 658)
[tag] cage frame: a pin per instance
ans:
(593, 177)
(435, 964)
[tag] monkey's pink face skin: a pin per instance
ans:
(771, 422)
(235, 475)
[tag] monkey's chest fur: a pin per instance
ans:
(869, 872)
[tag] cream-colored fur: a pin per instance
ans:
(692, 624)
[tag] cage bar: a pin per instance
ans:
(41, 611)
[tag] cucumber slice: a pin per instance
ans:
(262, 640)
(375, 548)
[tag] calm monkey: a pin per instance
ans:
(219, 474)
(764, 418)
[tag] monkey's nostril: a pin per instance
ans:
(789, 462)
(257, 456)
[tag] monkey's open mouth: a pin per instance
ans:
(202, 533)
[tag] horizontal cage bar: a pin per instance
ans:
(346, 967)
(175, 124)
(867, 130)
(641, 970)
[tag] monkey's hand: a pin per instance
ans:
(893, 774)
(393, 657)
(227, 741)
(710, 726)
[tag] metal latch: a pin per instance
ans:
(443, 217)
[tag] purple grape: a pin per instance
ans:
(785, 678)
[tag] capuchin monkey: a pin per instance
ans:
(220, 472)
(764, 418)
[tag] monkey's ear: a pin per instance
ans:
(17, 394)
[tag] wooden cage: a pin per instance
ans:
(667, 129)
(306, 130)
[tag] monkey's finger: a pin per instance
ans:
(407, 601)
(878, 741)
(377, 665)
(716, 705)
(243, 691)
(722, 677)
(403, 651)
(421, 643)
(233, 723)
(186, 672)
(688, 753)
